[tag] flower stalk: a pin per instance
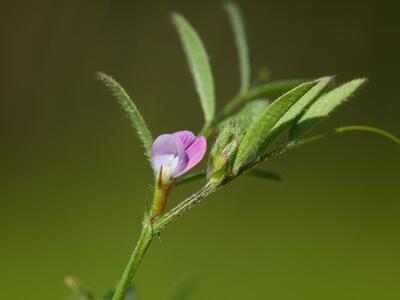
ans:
(162, 191)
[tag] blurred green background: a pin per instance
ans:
(73, 180)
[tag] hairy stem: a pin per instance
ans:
(143, 243)
(184, 206)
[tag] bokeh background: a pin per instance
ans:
(73, 180)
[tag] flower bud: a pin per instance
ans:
(223, 152)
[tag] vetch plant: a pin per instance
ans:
(246, 131)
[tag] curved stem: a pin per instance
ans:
(143, 243)
(296, 143)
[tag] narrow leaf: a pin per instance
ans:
(199, 65)
(131, 109)
(323, 106)
(239, 33)
(264, 174)
(295, 111)
(252, 142)
(272, 88)
(260, 91)
(249, 113)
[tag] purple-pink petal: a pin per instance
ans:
(178, 152)
(195, 152)
(186, 137)
(169, 145)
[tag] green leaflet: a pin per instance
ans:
(252, 141)
(199, 65)
(324, 105)
(296, 110)
(259, 91)
(249, 113)
(275, 87)
(239, 33)
(131, 109)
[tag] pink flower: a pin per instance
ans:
(177, 153)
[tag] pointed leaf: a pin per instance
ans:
(260, 91)
(241, 44)
(252, 141)
(271, 88)
(131, 109)
(249, 113)
(296, 110)
(323, 106)
(199, 65)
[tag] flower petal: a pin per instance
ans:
(195, 152)
(186, 137)
(166, 147)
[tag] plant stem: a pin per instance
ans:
(143, 243)
(184, 206)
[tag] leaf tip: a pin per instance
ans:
(229, 5)
(100, 75)
(177, 18)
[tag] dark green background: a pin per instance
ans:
(73, 180)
